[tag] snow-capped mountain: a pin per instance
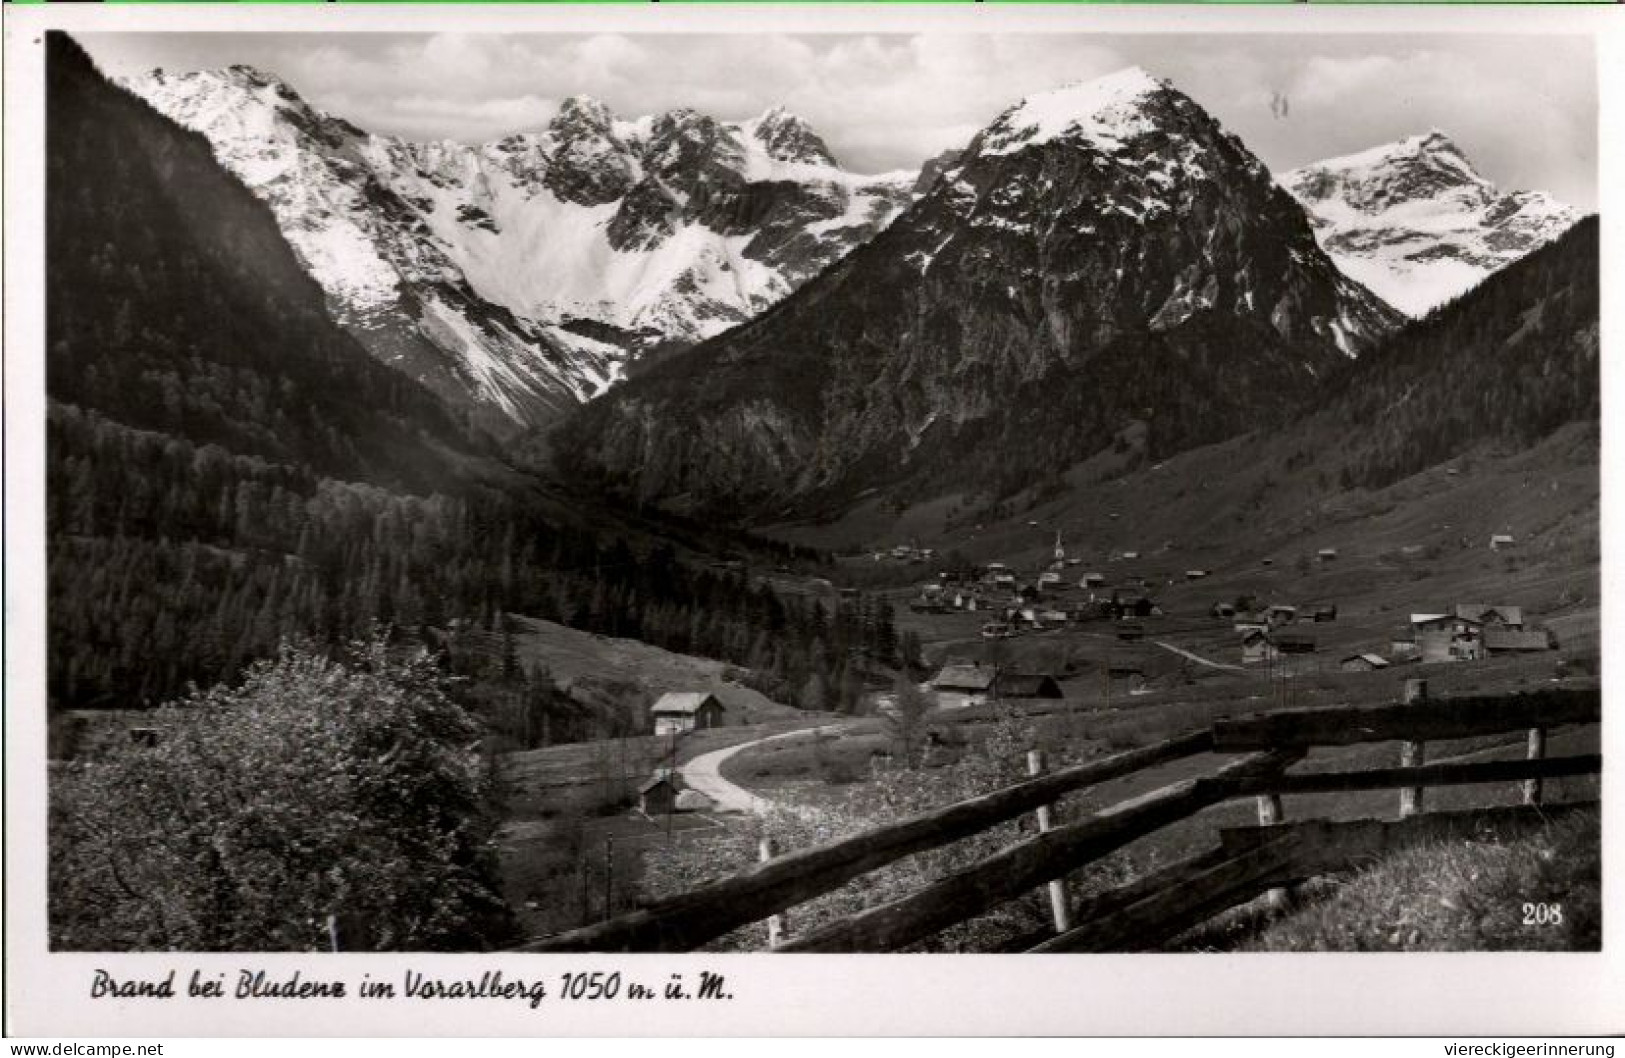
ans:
(1098, 254)
(524, 276)
(1417, 224)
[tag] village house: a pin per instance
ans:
(1326, 554)
(1256, 646)
(677, 712)
(1363, 663)
(1222, 609)
(1500, 540)
(1195, 574)
(1325, 613)
(1250, 622)
(1092, 580)
(1281, 614)
(1446, 637)
(961, 684)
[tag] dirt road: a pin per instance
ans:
(704, 773)
(1199, 659)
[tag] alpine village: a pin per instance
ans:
(646, 534)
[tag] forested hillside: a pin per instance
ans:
(1510, 361)
(227, 468)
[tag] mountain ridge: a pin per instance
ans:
(523, 276)
(1063, 264)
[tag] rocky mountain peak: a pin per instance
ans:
(582, 114)
(788, 138)
(1106, 110)
(1417, 223)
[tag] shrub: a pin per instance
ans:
(349, 787)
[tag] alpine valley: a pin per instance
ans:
(495, 546)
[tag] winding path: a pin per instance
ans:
(1199, 659)
(704, 773)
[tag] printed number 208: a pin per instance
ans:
(1543, 914)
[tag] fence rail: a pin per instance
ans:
(1157, 907)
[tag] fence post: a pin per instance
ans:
(1412, 754)
(765, 851)
(1060, 910)
(1270, 812)
(1537, 750)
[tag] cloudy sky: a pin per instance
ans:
(1523, 108)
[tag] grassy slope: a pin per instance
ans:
(572, 655)
(1461, 897)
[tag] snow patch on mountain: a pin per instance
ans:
(533, 269)
(1417, 224)
(1107, 110)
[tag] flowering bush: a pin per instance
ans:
(349, 788)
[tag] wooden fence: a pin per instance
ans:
(1241, 865)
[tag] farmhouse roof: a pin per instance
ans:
(1376, 661)
(965, 678)
(1512, 615)
(683, 703)
(1427, 618)
(1496, 638)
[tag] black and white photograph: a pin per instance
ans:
(541, 491)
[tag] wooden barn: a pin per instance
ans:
(680, 711)
(1363, 663)
(658, 796)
